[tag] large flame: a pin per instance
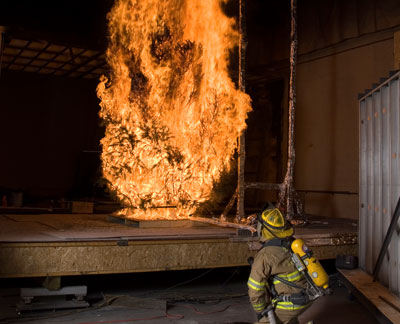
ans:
(172, 113)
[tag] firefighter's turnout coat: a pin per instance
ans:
(269, 262)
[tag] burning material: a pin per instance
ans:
(171, 112)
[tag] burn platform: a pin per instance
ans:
(73, 244)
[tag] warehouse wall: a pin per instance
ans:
(327, 125)
(46, 124)
(328, 82)
(344, 47)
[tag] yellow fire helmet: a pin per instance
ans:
(273, 224)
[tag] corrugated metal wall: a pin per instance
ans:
(380, 178)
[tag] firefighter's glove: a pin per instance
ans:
(265, 312)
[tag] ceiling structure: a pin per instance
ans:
(50, 58)
(65, 38)
(68, 38)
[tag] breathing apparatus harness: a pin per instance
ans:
(312, 290)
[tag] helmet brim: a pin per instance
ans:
(286, 233)
(269, 233)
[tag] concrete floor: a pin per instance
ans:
(216, 296)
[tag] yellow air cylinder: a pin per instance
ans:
(314, 268)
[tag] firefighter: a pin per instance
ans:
(276, 287)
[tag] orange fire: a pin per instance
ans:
(171, 112)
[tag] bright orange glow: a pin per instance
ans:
(172, 113)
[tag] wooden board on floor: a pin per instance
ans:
(154, 223)
(386, 302)
(84, 227)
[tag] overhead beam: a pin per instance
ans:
(17, 55)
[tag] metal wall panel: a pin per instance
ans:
(380, 178)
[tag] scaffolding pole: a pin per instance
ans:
(240, 214)
(287, 194)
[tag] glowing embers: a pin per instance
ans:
(171, 112)
(166, 213)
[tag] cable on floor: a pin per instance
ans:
(204, 300)
(190, 280)
(177, 285)
(234, 272)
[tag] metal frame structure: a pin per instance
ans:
(51, 58)
(287, 195)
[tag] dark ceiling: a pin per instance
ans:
(69, 37)
(61, 38)
(71, 22)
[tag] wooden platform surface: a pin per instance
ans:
(82, 227)
(321, 226)
(322, 231)
(73, 244)
(385, 301)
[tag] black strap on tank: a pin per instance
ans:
(273, 291)
(286, 282)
